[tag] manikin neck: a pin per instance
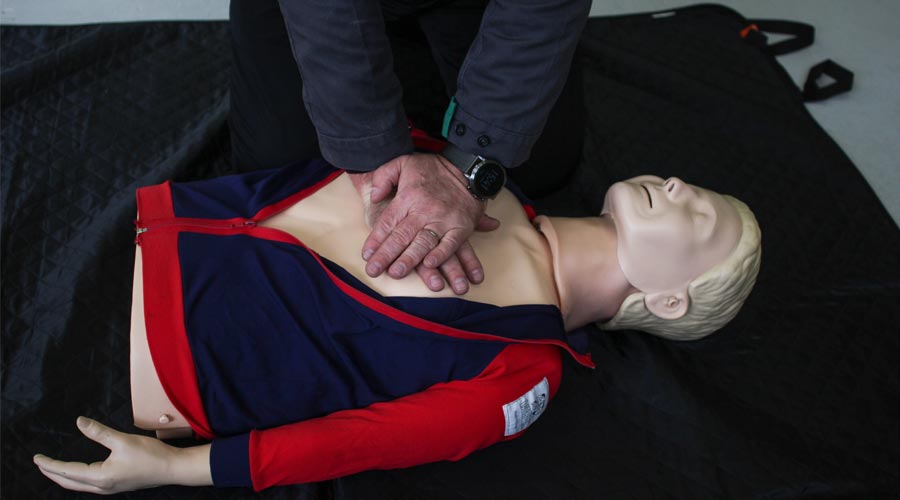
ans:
(590, 281)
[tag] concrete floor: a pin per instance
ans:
(859, 34)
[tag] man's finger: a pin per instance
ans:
(470, 263)
(382, 227)
(385, 178)
(431, 277)
(455, 275)
(424, 242)
(403, 234)
(448, 246)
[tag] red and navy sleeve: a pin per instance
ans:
(448, 421)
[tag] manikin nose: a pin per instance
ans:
(675, 188)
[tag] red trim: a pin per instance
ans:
(155, 202)
(210, 226)
(529, 211)
(164, 311)
(284, 204)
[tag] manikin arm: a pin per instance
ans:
(448, 421)
(135, 462)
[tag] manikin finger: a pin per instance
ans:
(401, 237)
(424, 242)
(95, 431)
(455, 275)
(71, 484)
(431, 277)
(74, 471)
(470, 263)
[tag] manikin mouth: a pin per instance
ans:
(649, 198)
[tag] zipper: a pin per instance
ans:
(196, 225)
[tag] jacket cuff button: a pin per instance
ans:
(460, 129)
(484, 141)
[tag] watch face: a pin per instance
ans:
(489, 179)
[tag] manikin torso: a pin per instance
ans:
(516, 258)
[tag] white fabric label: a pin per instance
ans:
(522, 412)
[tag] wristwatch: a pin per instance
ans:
(485, 177)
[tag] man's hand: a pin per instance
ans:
(135, 462)
(426, 225)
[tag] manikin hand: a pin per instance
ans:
(427, 223)
(135, 462)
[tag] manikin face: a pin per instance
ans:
(669, 232)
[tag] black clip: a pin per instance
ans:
(803, 35)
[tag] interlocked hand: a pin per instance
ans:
(427, 223)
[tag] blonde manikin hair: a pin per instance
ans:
(716, 296)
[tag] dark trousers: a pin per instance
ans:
(269, 124)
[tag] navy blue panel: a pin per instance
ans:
(580, 338)
(246, 194)
(275, 341)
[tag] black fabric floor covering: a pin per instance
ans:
(796, 398)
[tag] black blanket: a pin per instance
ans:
(799, 397)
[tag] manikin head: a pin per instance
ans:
(692, 254)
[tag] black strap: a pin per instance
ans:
(804, 34)
(843, 81)
(459, 158)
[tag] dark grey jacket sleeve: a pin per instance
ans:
(511, 78)
(513, 75)
(349, 87)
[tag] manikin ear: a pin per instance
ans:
(668, 305)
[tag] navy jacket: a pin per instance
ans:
(299, 372)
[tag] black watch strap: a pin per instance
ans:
(459, 158)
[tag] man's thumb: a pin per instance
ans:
(487, 223)
(385, 178)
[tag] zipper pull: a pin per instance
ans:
(138, 231)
